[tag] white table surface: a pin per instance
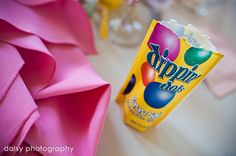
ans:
(202, 125)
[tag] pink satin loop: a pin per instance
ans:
(50, 95)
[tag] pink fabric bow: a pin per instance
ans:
(49, 94)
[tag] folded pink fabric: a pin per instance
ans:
(50, 95)
(17, 108)
(222, 80)
(61, 21)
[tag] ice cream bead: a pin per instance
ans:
(172, 60)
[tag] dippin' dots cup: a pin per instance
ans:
(172, 60)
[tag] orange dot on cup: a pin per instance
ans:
(148, 73)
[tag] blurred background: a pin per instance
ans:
(204, 123)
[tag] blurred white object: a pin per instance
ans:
(127, 28)
(157, 7)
